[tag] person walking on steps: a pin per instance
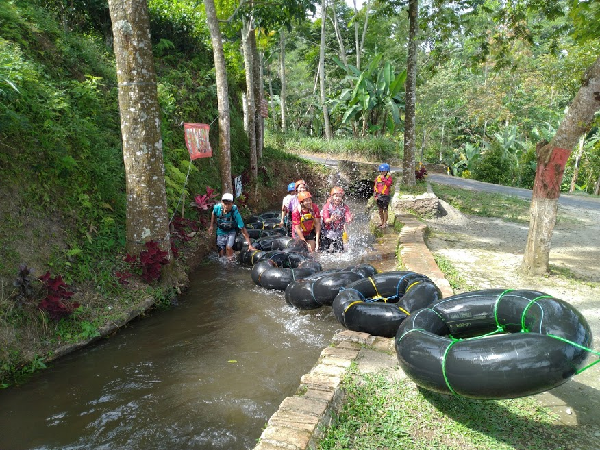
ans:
(381, 191)
(229, 221)
(306, 221)
(336, 214)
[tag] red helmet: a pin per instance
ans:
(336, 190)
(303, 196)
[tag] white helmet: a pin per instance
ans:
(227, 197)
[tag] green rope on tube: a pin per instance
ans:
(529, 305)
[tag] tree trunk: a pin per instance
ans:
(147, 213)
(326, 124)
(258, 95)
(408, 173)
(551, 160)
(271, 99)
(576, 165)
(283, 94)
(360, 45)
(338, 35)
(222, 96)
(247, 30)
(356, 41)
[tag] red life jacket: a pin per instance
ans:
(307, 222)
(380, 186)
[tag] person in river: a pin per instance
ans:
(336, 215)
(306, 221)
(286, 214)
(381, 191)
(229, 220)
(293, 204)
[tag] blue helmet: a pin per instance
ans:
(292, 187)
(385, 167)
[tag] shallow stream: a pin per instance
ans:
(206, 374)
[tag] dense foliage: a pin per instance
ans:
(494, 80)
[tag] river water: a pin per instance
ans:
(205, 374)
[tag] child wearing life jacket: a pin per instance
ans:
(381, 191)
(292, 204)
(229, 221)
(336, 214)
(306, 221)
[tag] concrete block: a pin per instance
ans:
(292, 439)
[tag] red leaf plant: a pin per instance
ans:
(421, 173)
(206, 201)
(57, 292)
(150, 261)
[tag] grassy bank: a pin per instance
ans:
(383, 414)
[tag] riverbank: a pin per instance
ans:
(30, 339)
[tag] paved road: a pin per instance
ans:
(575, 201)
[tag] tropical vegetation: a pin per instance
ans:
(493, 81)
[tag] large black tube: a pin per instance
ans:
(250, 257)
(321, 289)
(299, 294)
(515, 344)
(270, 215)
(377, 305)
(365, 270)
(326, 288)
(269, 276)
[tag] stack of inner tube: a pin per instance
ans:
(321, 288)
(255, 234)
(269, 275)
(279, 257)
(264, 221)
(377, 305)
(493, 344)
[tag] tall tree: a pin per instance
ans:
(222, 96)
(360, 44)
(551, 160)
(326, 123)
(338, 35)
(258, 88)
(283, 94)
(247, 35)
(408, 174)
(147, 213)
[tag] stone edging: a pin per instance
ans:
(301, 419)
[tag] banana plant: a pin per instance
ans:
(375, 98)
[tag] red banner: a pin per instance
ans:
(196, 139)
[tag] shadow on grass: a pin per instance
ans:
(521, 427)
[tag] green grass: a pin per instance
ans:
(418, 189)
(510, 208)
(457, 282)
(368, 148)
(382, 414)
